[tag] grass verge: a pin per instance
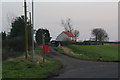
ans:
(19, 67)
(91, 52)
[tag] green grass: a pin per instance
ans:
(94, 52)
(18, 68)
(0, 70)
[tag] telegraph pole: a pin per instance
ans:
(32, 31)
(43, 43)
(30, 16)
(26, 31)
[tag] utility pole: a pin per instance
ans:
(43, 43)
(30, 17)
(26, 31)
(32, 30)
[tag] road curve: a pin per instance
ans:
(74, 68)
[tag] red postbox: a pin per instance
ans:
(46, 49)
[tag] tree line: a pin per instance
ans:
(14, 41)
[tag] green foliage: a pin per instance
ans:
(15, 44)
(3, 36)
(16, 38)
(65, 43)
(100, 34)
(39, 36)
(29, 36)
(12, 47)
(6, 53)
(18, 27)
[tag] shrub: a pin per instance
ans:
(16, 44)
(65, 43)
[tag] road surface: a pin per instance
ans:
(74, 68)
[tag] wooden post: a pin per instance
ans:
(26, 31)
(43, 43)
(33, 52)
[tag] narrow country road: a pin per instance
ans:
(74, 68)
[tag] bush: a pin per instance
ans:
(16, 44)
(12, 47)
(65, 43)
(10, 54)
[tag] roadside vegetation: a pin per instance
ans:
(19, 67)
(17, 63)
(91, 52)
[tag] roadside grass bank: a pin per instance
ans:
(0, 70)
(6, 53)
(91, 52)
(19, 67)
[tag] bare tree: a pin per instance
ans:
(67, 25)
(10, 18)
(68, 22)
(64, 25)
(76, 33)
(100, 34)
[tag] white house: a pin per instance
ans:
(66, 36)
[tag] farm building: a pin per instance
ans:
(66, 36)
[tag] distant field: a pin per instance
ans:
(93, 52)
(107, 52)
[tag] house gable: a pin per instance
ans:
(66, 36)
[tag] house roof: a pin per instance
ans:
(69, 34)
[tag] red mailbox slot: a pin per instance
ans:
(46, 49)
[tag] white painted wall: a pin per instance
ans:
(63, 37)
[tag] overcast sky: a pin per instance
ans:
(85, 16)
